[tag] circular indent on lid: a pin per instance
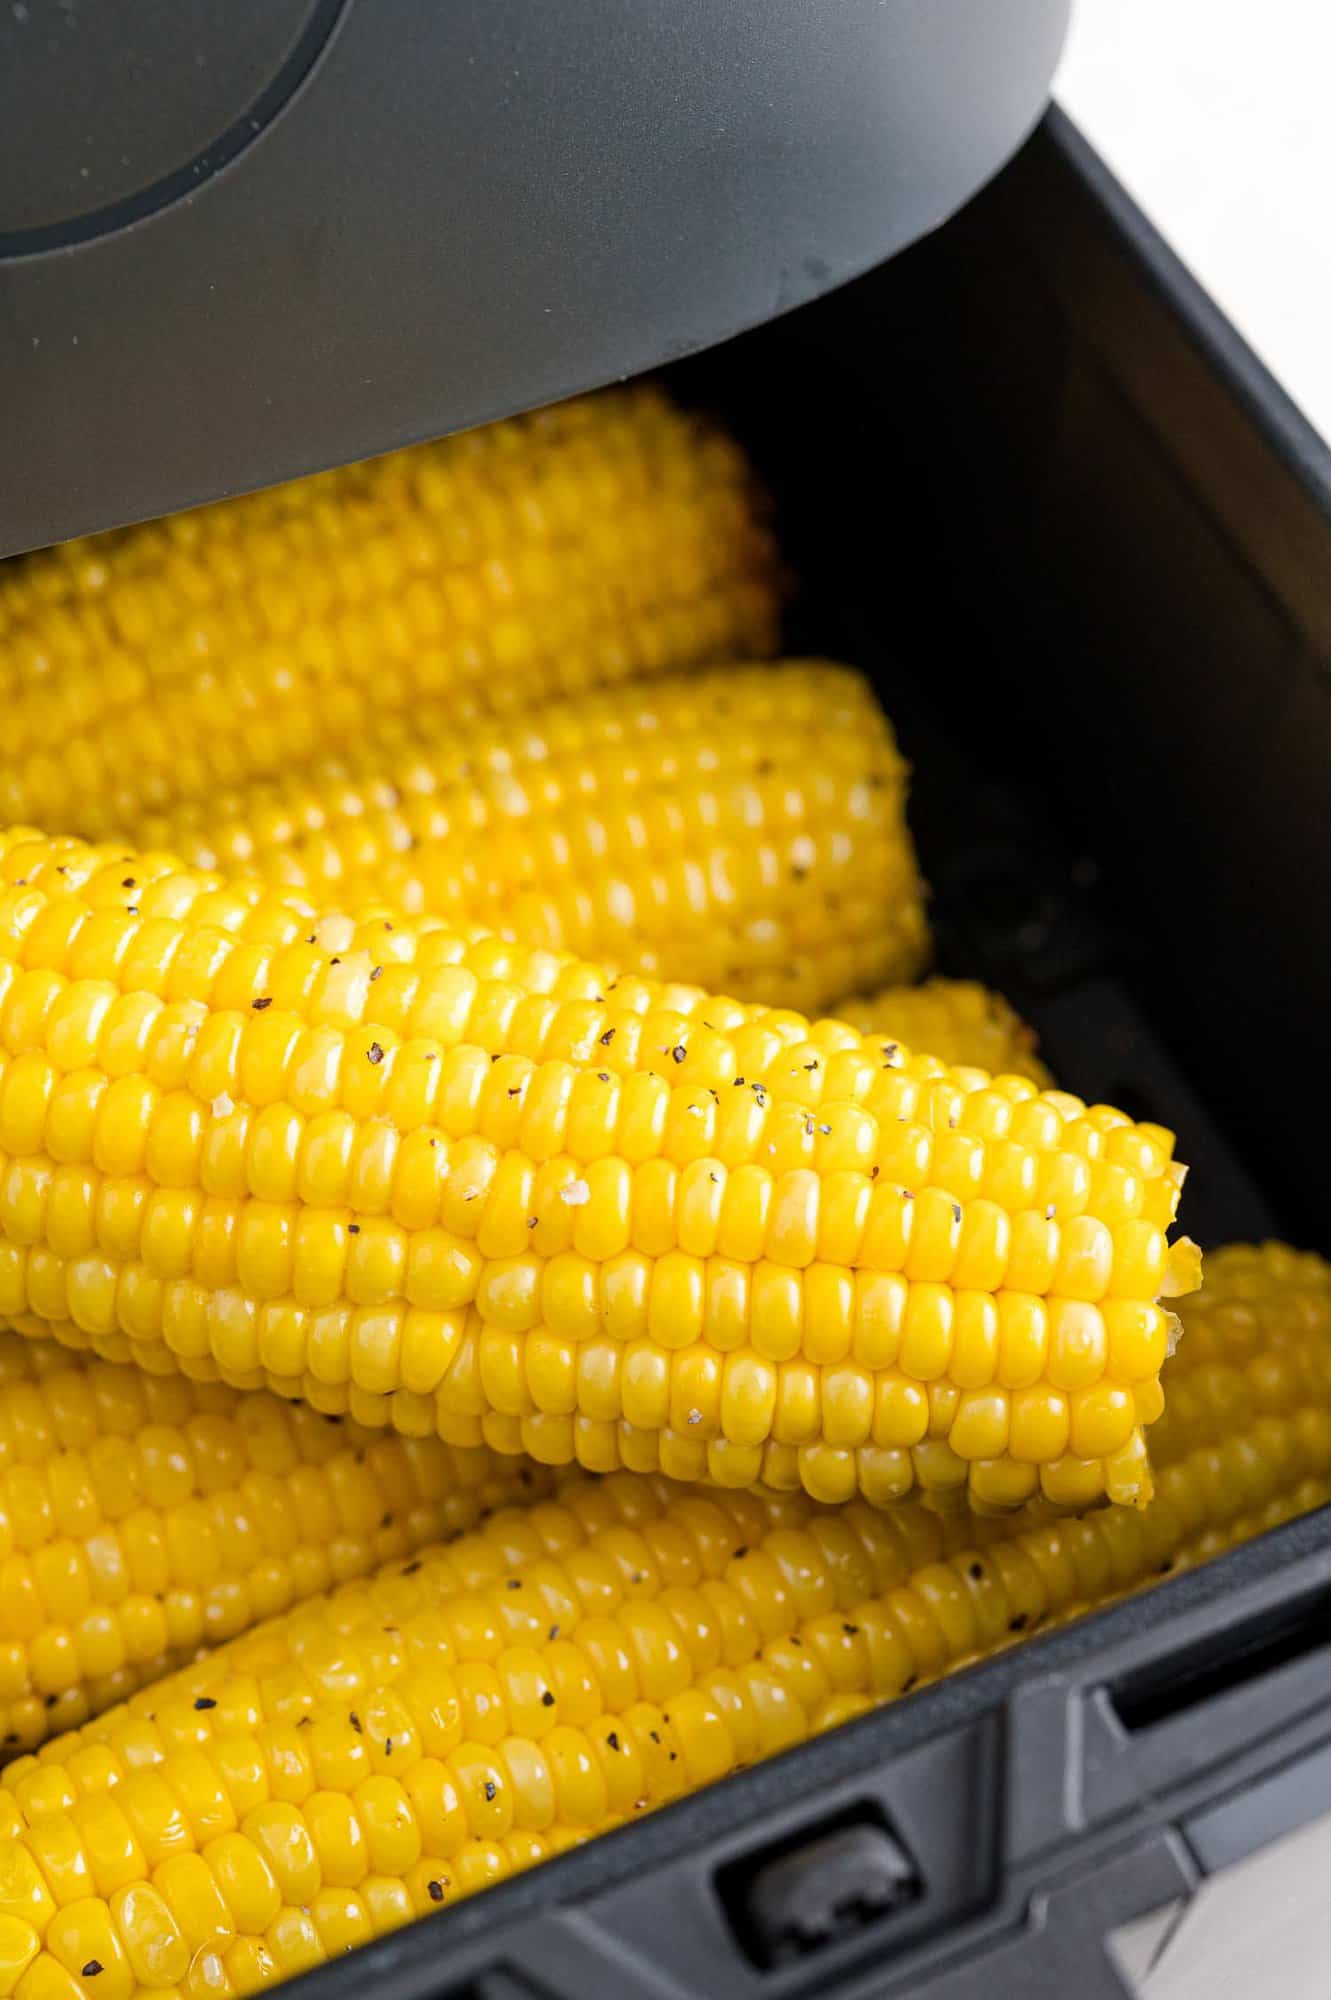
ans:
(110, 108)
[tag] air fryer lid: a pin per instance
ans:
(239, 243)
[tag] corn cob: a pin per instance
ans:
(957, 1020)
(1256, 1341)
(546, 1678)
(609, 538)
(471, 1188)
(144, 1517)
(745, 828)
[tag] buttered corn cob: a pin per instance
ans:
(416, 1737)
(144, 1517)
(957, 1020)
(744, 830)
(606, 539)
(470, 1188)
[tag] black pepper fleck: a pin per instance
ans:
(513, 1583)
(1019, 1623)
(265, 1000)
(679, 1052)
(374, 1053)
(607, 1038)
(849, 1629)
(956, 1211)
(92, 1968)
(975, 1571)
(554, 1632)
(410, 1569)
(375, 971)
(353, 1229)
(386, 1520)
(204, 1701)
(436, 1891)
(490, 1788)
(742, 1550)
(356, 1723)
(547, 1699)
(612, 1739)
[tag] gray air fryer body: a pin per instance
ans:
(242, 242)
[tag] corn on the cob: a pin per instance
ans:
(471, 1188)
(743, 830)
(1256, 1342)
(608, 538)
(144, 1517)
(414, 1738)
(957, 1020)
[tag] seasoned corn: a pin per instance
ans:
(144, 1517)
(744, 829)
(606, 539)
(416, 1737)
(471, 1188)
(957, 1020)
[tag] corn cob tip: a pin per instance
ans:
(1183, 1269)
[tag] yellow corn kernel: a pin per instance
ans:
(743, 828)
(960, 1022)
(143, 1516)
(611, 538)
(549, 1187)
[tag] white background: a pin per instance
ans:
(1216, 115)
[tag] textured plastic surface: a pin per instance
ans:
(1030, 479)
(439, 211)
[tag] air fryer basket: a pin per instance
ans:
(1030, 479)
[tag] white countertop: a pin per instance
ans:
(1214, 114)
